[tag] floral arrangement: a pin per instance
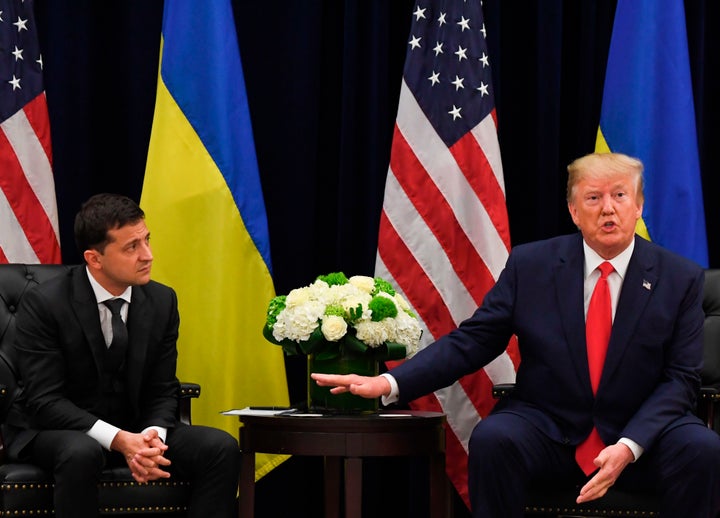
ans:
(334, 314)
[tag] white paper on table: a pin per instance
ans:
(250, 410)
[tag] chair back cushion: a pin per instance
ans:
(711, 306)
(15, 281)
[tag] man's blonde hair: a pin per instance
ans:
(598, 165)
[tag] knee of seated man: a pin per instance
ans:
(215, 442)
(83, 452)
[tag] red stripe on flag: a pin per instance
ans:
(474, 165)
(440, 218)
(456, 467)
(27, 208)
(37, 114)
(411, 279)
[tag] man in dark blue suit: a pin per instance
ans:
(641, 405)
(79, 410)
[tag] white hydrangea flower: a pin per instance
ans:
(372, 333)
(407, 332)
(298, 322)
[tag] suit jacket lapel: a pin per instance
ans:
(638, 285)
(569, 272)
(85, 306)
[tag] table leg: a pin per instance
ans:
(440, 503)
(246, 500)
(353, 487)
(332, 486)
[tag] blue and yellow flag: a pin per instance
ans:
(648, 112)
(205, 210)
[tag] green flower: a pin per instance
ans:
(335, 309)
(382, 285)
(336, 278)
(382, 307)
(274, 308)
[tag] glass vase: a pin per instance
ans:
(321, 400)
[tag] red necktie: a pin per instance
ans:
(597, 332)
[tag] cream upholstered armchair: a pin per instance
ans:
(27, 490)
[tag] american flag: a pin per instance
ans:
(444, 234)
(28, 209)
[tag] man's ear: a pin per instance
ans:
(92, 259)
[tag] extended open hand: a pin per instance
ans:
(364, 386)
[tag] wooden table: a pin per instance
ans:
(345, 440)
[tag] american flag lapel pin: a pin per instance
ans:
(646, 284)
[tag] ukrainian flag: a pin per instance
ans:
(205, 211)
(648, 112)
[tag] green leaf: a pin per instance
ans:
(395, 351)
(290, 347)
(314, 343)
(354, 345)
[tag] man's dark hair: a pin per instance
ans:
(101, 213)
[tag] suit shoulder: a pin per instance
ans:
(547, 248)
(158, 291)
(159, 287)
(667, 259)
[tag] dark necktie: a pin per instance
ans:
(118, 347)
(597, 330)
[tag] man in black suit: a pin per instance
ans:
(641, 405)
(82, 410)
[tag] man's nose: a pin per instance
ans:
(146, 252)
(607, 204)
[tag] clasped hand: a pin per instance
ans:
(144, 454)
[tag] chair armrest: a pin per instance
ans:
(501, 390)
(707, 401)
(188, 391)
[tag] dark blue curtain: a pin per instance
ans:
(323, 81)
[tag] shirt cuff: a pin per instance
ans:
(394, 391)
(103, 432)
(635, 448)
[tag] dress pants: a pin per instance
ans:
(207, 456)
(507, 453)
